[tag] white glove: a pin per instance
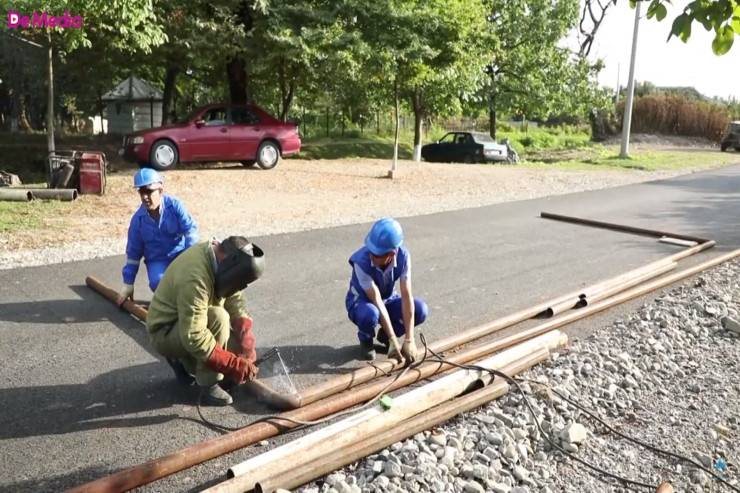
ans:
(126, 292)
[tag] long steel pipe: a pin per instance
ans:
(136, 310)
(135, 476)
(619, 227)
(296, 476)
(16, 195)
(375, 419)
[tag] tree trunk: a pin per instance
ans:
(170, 77)
(397, 132)
(416, 102)
(50, 110)
(492, 117)
(238, 87)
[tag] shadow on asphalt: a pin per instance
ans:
(717, 211)
(106, 401)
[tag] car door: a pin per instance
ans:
(444, 148)
(245, 133)
(209, 141)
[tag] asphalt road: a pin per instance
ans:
(82, 394)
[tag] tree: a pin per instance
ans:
(720, 16)
(529, 73)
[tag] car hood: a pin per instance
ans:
(171, 126)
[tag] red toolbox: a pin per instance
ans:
(91, 166)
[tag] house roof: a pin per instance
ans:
(133, 89)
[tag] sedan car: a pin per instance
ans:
(731, 137)
(468, 147)
(218, 132)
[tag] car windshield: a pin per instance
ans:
(735, 128)
(481, 137)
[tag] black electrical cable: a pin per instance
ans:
(303, 423)
(567, 453)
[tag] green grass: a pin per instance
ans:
(376, 147)
(607, 158)
(25, 216)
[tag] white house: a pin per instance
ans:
(133, 105)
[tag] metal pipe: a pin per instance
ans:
(136, 310)
(152, 470)
(16, 195)
(294, 477)
(619, 227)
(611, 291)
(375, 419)
(594, 289)
(65, 194)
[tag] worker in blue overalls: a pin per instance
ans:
(372, 300)
(159, 231)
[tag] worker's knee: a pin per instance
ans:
(421, 311)
(366, 316)
(155, 272)
(219, 324)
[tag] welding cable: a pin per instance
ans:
(653, 448)
(555, 445)
(303, 423)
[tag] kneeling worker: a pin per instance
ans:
(197, 318)
(371, 298)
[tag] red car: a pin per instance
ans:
(217, 132)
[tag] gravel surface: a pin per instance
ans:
(666, 375)
(298, 195)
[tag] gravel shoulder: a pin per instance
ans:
(298, 195)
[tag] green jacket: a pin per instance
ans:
(184, 295)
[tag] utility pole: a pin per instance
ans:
(627, 120)
(616, 98)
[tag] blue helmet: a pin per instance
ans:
(147, 176)
(385, 236)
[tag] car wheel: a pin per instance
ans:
(163, 155)
(249, 163)
(268, 155)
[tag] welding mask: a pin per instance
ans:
(243, 264)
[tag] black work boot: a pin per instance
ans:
(367, 349)
(181, 374)
(214, 396)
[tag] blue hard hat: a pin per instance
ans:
(385, 236)
(147, 176)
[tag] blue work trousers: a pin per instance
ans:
(366, 317)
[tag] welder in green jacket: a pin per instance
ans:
(197, 318)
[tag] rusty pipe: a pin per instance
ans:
(263, 393)
(611, 291)
(619, 227)
(136, 310)
(16, 195)
(152, 470)
(64, 194)
(296, 476)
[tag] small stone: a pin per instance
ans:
(500, 488)
(439, 438)
(392, 470)
(730, 324)
(473, 487)
(574, 433)
(382, 482)
(521, 473)
(264, 443)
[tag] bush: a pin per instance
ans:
(675, 115)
